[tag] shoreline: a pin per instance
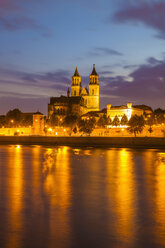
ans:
(121, 142)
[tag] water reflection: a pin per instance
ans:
(15, 194)
(122, 192)
(57, 185)
(63, 197)
(125, 195)
(160, 197)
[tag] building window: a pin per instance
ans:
(92, 92)
(75, 93)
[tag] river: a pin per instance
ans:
(63, 197)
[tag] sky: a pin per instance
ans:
(42, 42)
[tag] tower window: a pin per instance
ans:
(92, 91)
(74, 92)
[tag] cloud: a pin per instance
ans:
(150, 13)
(45, 83)
(105, 72)
(104, 51)
(144, 85)
(17, 23)
(147, 84)
(13, 16)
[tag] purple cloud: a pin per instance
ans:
(150, 13)
(13, 16)
(58, 79)
(146, 84)
(20, 22)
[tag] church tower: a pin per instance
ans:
(93, 102)
(76, 84)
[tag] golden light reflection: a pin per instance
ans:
(36, 175)
(125, 195)
(57, 185)
(160, 197)
(122, 191)
(15, 186)
(76, 151)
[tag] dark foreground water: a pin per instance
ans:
(53, 197)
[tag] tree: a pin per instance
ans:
(159, 116)
(71, 120)
(116, 121)
(103, 121)
(87, 126)
(27, 120)
(13, 117)
(54, 120)
(75, 130)
(150, 121)
(109, 121)
(136, 124)
(124, 120)
(150, 130)
(163, 131)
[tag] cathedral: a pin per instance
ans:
(79, 100)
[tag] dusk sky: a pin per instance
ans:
(42, 41)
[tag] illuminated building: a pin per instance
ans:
(81, 100)
(36, 127)
(120, 111)
(38, 124)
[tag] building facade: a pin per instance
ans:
(85, 101)
(128, 110)
(79, 100)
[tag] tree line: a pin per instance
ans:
(76, 123)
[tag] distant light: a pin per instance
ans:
(17, 130)
(18, 147)
(50, 129)
(56, 133)
(64, 130)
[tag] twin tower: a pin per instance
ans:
(91, 96)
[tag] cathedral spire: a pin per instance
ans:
(68, 92)
(76, 84)
(94, 73)
(76, 74)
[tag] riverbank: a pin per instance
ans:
(137, 142)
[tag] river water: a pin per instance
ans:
(53, 197)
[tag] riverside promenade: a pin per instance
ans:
(136, 142)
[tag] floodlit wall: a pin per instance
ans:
(16, 131)
(121, 110)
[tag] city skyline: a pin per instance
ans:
(42, 42)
